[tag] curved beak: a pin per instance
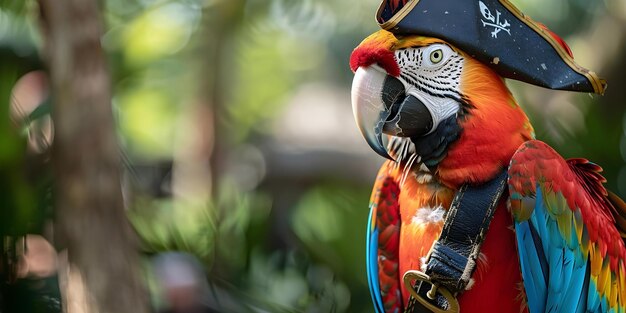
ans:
(381, 104)
(369, 110)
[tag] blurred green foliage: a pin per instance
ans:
(284, 240)
(20, 196)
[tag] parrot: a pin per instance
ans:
(444, 119)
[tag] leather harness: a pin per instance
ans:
(452, 259)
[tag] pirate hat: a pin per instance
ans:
(496, 33)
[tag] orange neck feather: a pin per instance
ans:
(493, 129)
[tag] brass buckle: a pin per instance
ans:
(453, 303)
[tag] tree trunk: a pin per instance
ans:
(102, 254)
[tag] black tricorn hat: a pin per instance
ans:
(496, 33)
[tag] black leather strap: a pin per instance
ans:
(452, 259)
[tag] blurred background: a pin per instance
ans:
(245, 177)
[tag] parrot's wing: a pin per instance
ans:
(571, 252)
(383, 233)
(372, 260)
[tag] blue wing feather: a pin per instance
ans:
(372, 263)
(554, 203)
(530, 262)
(593, 299)
(556, 277)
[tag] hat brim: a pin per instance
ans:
(528, 52)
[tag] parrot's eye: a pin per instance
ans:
(436, 55)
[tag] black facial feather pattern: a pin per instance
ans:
(442, 82)
(434, 146)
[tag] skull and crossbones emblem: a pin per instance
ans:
(493, 21)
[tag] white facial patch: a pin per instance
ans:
(440, 108)
(433, 75)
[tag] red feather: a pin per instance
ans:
(558, 39)
(498, 279)
(364, 56)
(396, 5)
(580, 183)
(388, 223)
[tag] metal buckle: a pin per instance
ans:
(453, 303)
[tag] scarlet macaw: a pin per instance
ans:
(555, 243)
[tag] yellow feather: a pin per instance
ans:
(521, 211)
(584, 242)
(622, 284)
(613, 286)
(604, 279)
(596, 260)
(561, 203)
(549, 200)
(564, 221)
(578, 226)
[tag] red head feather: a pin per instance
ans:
(376, 49)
